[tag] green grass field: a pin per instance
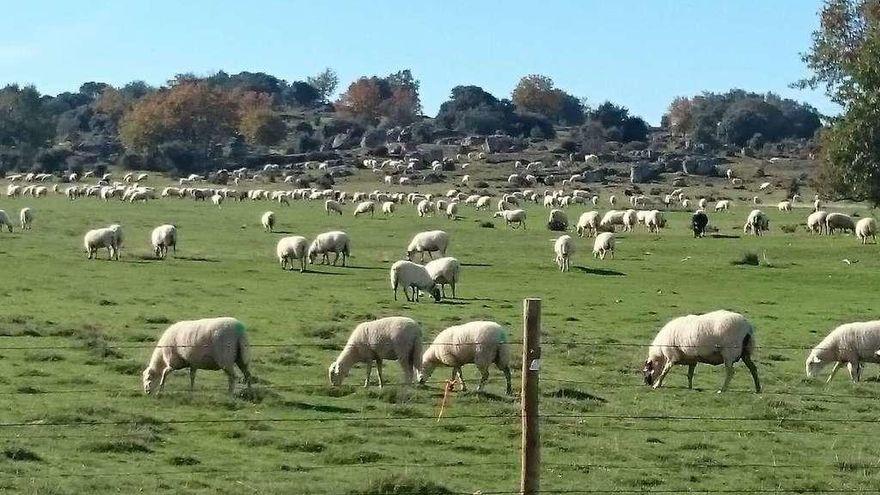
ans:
(77, 333)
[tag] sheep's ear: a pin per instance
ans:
(816, 359)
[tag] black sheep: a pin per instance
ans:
(699, 221)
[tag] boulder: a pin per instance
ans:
(500, 143)
(373, 138)
(696, 165)
(642, 172)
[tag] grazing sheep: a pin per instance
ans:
(512, 218)
(603, 245)
(866, 227)
(163, 237)
(331, 206)
(480, 342)
(702, 203)
(757, 223)
(719, 337)
(784, 206)
(630, 219)
(482, 203)
(268, 221)
(107, 237)
(722, 205)
(424, 207)
(852, 343)
(816, 222)
(444, 271)
(452, 211)
(612, 218)
(388, 208)
(336, 242)
(4, 220)
(409, 275)
(394, 337)
(736, 182)
(217, 199)
(26, 217)
(654, 221)
(428, 242)
(564, 247)
(839, 221)
(612, 200)
(558, 221)
(207, 344)
(292, 248)
(757, 200)
(699, 222)
(588, 223)
(365, 207)
(817, 204)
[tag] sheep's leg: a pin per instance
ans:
(230, 377)
(753, 370)
(691, 368)
(855, 370)
(302, 264)
(484, 377)
(461, 379)
(506, 372)
(833, 371)
(728, 375)
(453, 289)
(369, 372)
(379, 371)
(165, 373)
(665, 371)
(192, 379)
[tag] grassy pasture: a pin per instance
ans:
(76, 334)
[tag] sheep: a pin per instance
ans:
(163, 237)
(630, 219)
(428, 242)
(654, 221)
(444, 271)
(268, 221)
(4, 220)
(686, 204)
(564, 247)
(107, 237)
(817, 204)
(387, 207)
(588, 222)
(409, 275)
(26, 217)
(784, 206)
(699, 222)
(207, 344)
(612, 218)
(757, 200)
(839, 221)
(816, 222)
(336, 242)
(612, 200)
(512, 218)
(364, 207)
(424, 207)
(866, 227)
(292, 248)
(603, 245)
(702, 203)
(722, 205)
(480, 342)
(764, 186)
(452, 211)
(756, 223)
(331, 206)
(851, 343)
(482, 203)
(217, 199)
(719, 337)
(394, 337)
(558, 221)
(736, 182)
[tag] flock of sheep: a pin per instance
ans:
(716, 338)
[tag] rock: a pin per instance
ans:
(342, 141)
(472, 142)
(373, 138)
(501, 143)
(642, 172)
(695, 165)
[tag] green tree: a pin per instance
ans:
(23, 119)
(325, 82)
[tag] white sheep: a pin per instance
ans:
(610, 219)
(839, 221)
(588, 223)
(512, 218)
(630, 219)
(336, 242)
(756, 223)
(208, 344)
(387, 207)
(816, 222)
(292, 248)
(365, 207)
(482, 343)
(702, 203)
(784, 206)
(719, 337)
(107, 237)
(408, 275)
(452, 211)
(612, 200)
(268, 221)
(331, 206)
(865, 228)
(852, 343)
(722, 205)
(163, 237)
(4, 220)
(444, 271)
(428, 242)
(392, 338)
(26, 217)
(603, 245)
(654, 221)
(424, 207)
(557, 220)
(482, 203)
(564, 247)
(217, 199)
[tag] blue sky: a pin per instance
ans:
(640, 53)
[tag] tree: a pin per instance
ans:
(23, 119)
(258, 122)
(363, 98)
(749, 117)
(395, 97)
(193, 113)
(93, 89)
(680, 115)
(619, 125)
(536, 93)
(301, 94)
(325, 83)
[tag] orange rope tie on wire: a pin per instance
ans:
(447, 389)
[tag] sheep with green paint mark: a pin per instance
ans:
(482, 343)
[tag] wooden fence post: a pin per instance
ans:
(531, 364)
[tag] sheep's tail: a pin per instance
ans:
(415, 357)
(502, 352)
(242, 354)
(748, 344)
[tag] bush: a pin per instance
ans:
(401, 485)
(748, 259)
(788, 228)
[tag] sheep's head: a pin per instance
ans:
(408, 256)
(652, 370)
(814, 365)
(435, 293)
(336, 374)
(312, 255)
(150, 380)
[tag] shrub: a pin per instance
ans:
(748, 258)
(400, 485)
(788, 228)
